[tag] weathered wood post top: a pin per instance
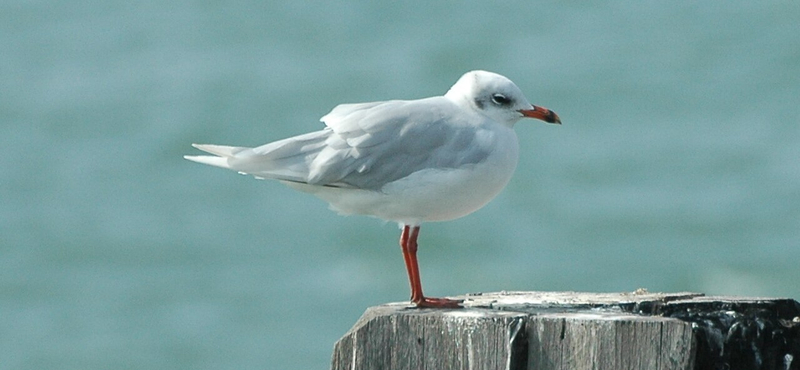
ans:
(569, 330)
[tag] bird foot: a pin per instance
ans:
(427, 302)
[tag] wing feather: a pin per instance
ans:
(366, 146)
(377, 143)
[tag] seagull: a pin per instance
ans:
(403, 161)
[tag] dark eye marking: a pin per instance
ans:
(500, 99)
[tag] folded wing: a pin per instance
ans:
(364, 146)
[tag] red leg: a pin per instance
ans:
(408, 242)
(412, 277)
(413, 266)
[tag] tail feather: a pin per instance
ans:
(209, 160)
(285, 160)
(220, 150)
(245, 161)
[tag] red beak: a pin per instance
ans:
(541, 113)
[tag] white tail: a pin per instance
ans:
(223, 152)
(220, 150)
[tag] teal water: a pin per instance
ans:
(677, 167)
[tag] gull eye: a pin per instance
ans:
(500, 99)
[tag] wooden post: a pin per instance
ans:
(572, 331)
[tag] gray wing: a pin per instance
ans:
(365, 146)
(376, 143)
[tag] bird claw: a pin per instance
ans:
(427, 302)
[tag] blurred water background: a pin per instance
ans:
(677, 167)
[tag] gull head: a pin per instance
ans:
(497, 98)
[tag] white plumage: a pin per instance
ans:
(407, 161)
